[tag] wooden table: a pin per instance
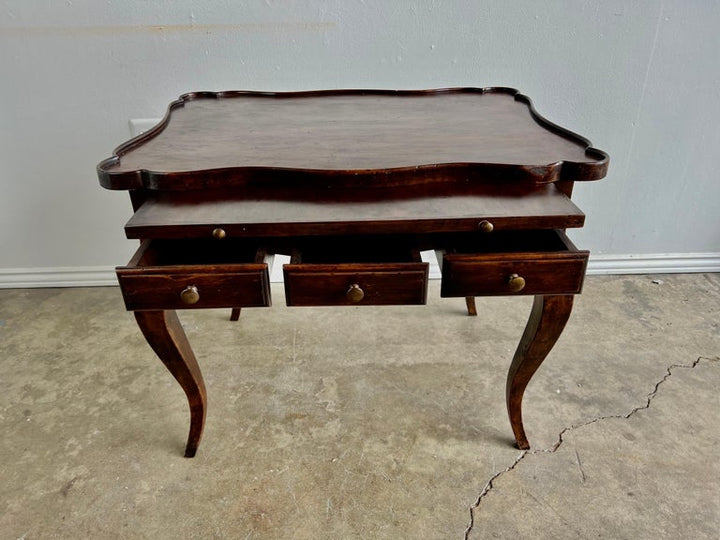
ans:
(352, 185)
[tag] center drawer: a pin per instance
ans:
(194, 274)
(355, 272)
(512, 262)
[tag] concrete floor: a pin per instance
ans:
(365, 422)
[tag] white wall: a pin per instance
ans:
(640, 79)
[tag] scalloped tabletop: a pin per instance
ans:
(347, 137)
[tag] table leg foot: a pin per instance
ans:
(470, 303)
(165, 335)
(235, 314)
(547, 320)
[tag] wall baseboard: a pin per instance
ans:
(70, 276)
(654, 263)
(101, 276)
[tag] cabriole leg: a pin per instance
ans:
(547, 320)
(165, 334)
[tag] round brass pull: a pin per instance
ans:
(190, 295)
(219, 233)
(516, 283)
(485, 226)
(355, 293)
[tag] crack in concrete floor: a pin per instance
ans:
(491, 482)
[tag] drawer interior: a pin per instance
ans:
(518, 262)
(543, 241)
(356, 250)
(197, 251)
(195, 274)
(360, 270)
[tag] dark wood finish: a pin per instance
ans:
(489, 275)
(165, 334)
(382, 284)
(341, 211)
(352, 184)
(355, 270)
(147, 283)
(547, 264)
(471, 308)
(547, 321)
(217, 288)
(485, 134)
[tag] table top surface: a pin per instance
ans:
(351, 138)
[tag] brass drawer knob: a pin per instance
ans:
(516, 283)
(485, 226)
(190, 295)
(355, 293)
(219, 233)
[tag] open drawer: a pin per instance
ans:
(358, 271)
(512, 262)
(187, 274)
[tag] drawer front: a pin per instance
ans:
(185, 275)
(355, 284)
(188, 289)
(504, 274)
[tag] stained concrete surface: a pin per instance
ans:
(365, 422)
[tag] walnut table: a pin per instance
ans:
(352, 185)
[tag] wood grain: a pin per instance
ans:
(547, 320)
(352, 184)
(165, 334)
(351, 137)
(382, 284)
(341, 211)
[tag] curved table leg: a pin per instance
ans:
(547, 320)
(235, 314)
(164, 333)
